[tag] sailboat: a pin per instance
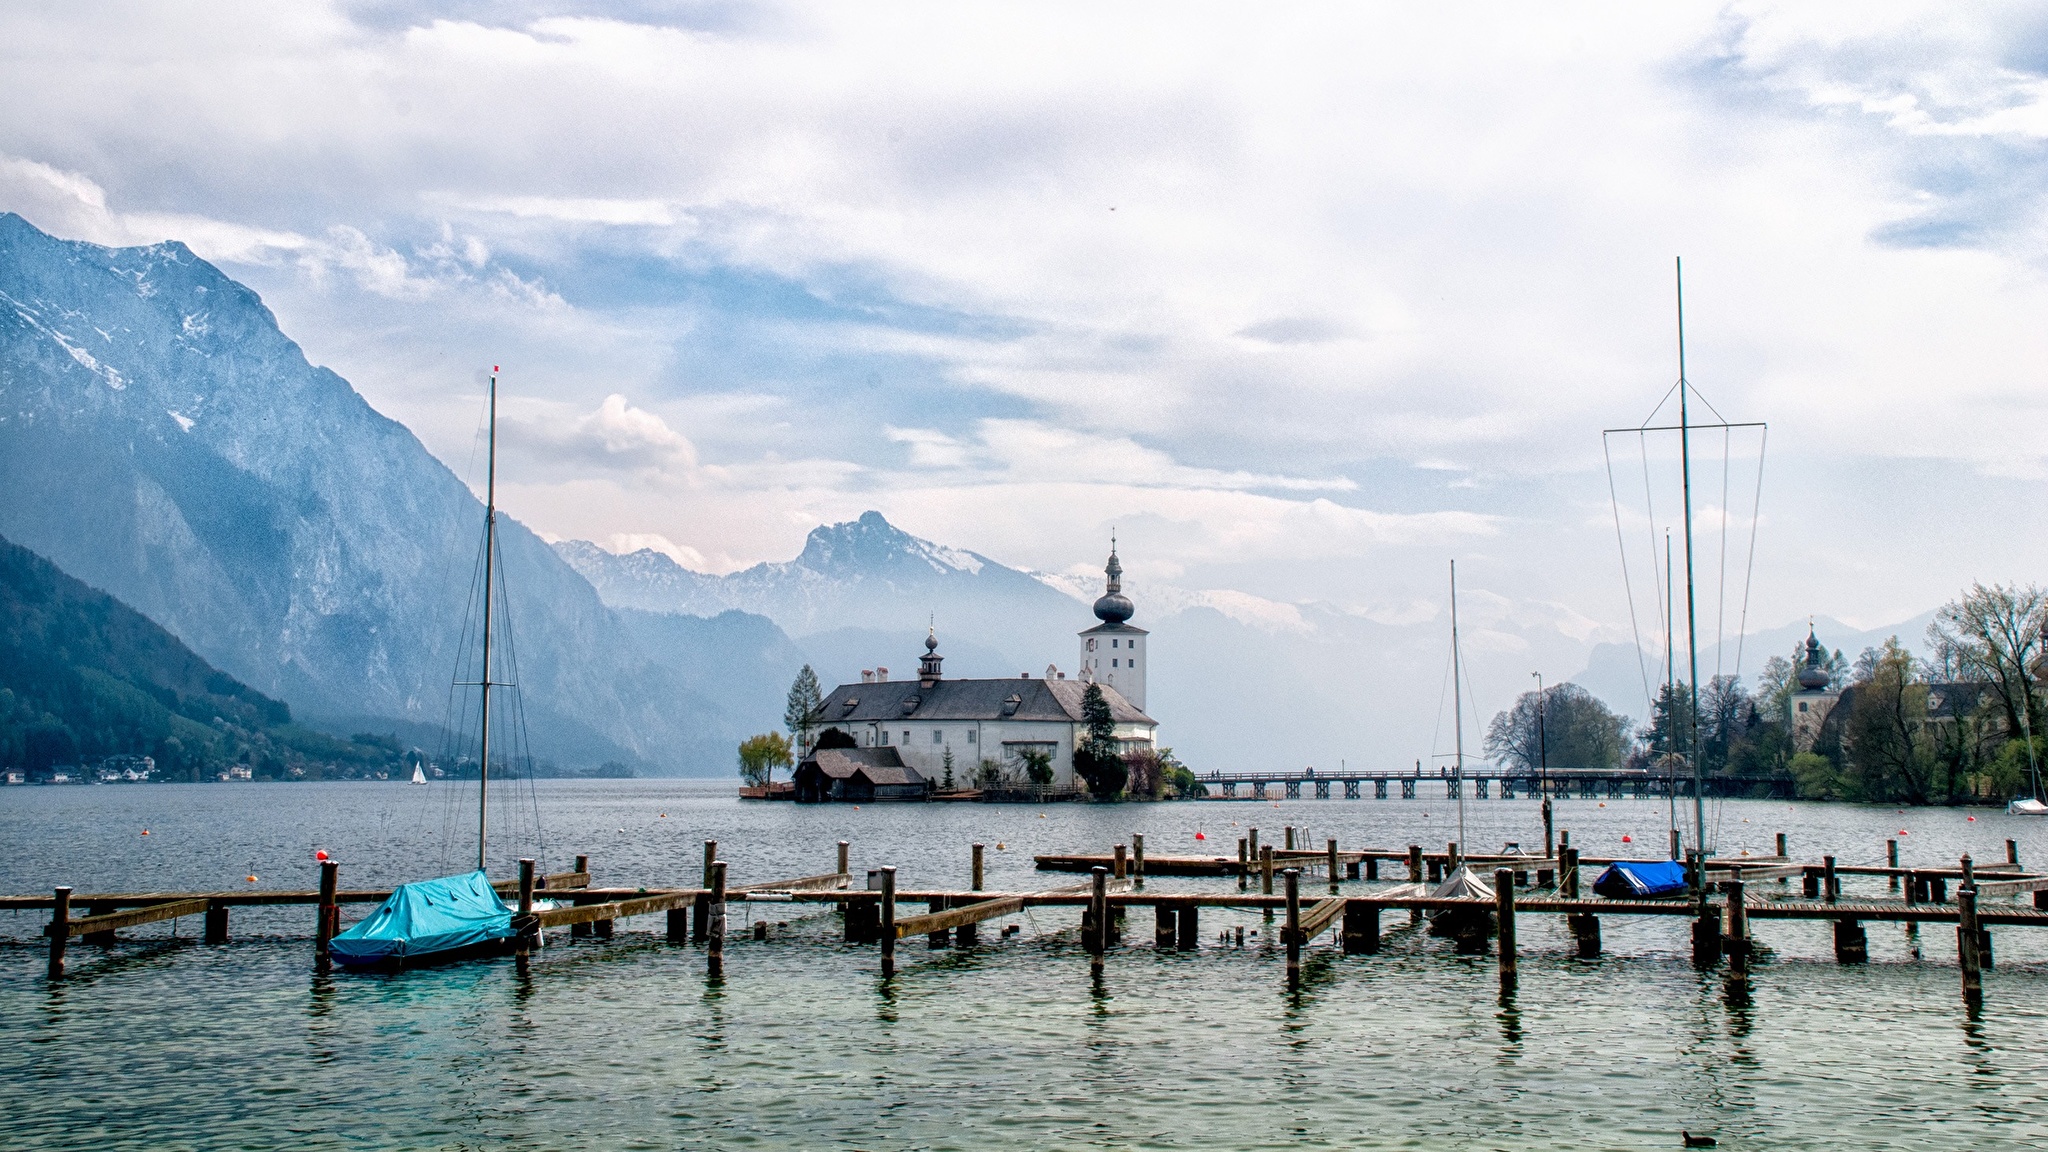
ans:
(452, 916)
(1466, 926)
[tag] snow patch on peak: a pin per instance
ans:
(185, 422)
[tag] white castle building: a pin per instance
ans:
(919, 722)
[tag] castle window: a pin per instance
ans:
(1112, 643)
(1112, 663)
(970, 736)
(1802, 705)
(938, 736)
(906, 737)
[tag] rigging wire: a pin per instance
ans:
(1748, 578)
(1721, 588)
(1627, 585)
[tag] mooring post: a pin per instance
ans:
(975, 879)
(1254, 840)
(844, 870)
(329, 915)
(60, 931)
(1891, 861)
(1830, 886)
(1266, 872)
(1913, 888)
(1852, 946)
(700, 920)
(1138, 857)
(216, 922)
(1165, 925)
(1451, 858)
(1706, 935)
(1738, 926)
(1333, 867)
(1585, 930)
(714, 951)
(1372, 867)
(1966, 945)
(1983, 933)
(943, 938)
(522, 924)
(1361, 928)
(583, 865)
(1122, 866)
(1244, 863)
(1095, 933)
(1292, 932)
(582, 928)
(1190, 926)
(1290, 837)
(1504, 910)
(1674, 844)
(1781, 846)
(1568, 873)
(1415, 877)
(1809, 882)
(2012, 852)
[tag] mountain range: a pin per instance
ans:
(163, 441)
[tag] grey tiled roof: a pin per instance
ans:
(893, 700)
(881, 766)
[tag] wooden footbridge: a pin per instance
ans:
(1485, 783)
(1727, 902)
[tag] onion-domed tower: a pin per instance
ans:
(1814, 699)
(1113, 652)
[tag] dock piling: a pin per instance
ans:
(700, 916)
(2012, 852)
(1292, 933)
(1244, 863)
(581, 927)
(1333, 867)
(1706, 936)
(60, 931)
(216, 922)
(329, 913)
(1568, 872)
(1831, 884)
(1504, 911)
(1190, 927)
(843, 869)
(1095, 928)
(1361, 928)
(1781, 846)
(523, 927)
(1891, 860)
(1122, 863)
(1165, 926)
(1737, 944)
(977, 866)
(943, 938)
(1290, 837)
(1585, 930)
(714, 951)
(1967, 939)
(1138, 857)
(1852, 946)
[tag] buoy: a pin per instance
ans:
(1902, 832)
(1603, 803)
(1973, 819)
(1002, 847)
(145, 831)
(250, 879)
(1041, 815)
(1199, 836)
(1628, 839)
(622, 829)
(320, 855)
(664, 815)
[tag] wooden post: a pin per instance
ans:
(522, 923)
(942, 938)
(1244, 862)
(1266, 877)
(2012, 852)
(1569, 878)
(975, 880)
(1891, 860)
(1504, 910)
(1851, 945)
(1415, 876)
(843, 869)
(582, 929)
(583, 864)
(1809, 881)
(1738, 927)
(1585, 929)
(216, 922)
(60, 931)
(1190, 927)
(714, 952)
(1361, 928)
(1255, 845)
(1333, 867)
(1292, 933)
(329, 914)
(1674, 844)
(1829, 884)
(1706, 936)
(1372, 868)
(1165, 925)
(1781, 845)
(700, 919)
(1095, 933)
(1138, 857)
(1451, 858)
(1549, 840)
(1966, 946)
(678, 925)
(1290, 837)
(1122, 866)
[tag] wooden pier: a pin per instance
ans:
(1723, 910)
(1504, 784)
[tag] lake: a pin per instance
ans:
(162, 1042)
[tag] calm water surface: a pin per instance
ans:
(164, 1043)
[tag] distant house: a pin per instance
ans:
(858, 775)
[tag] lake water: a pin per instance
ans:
(164, 1043)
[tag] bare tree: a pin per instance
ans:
(1994, 635)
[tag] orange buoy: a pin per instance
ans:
(250, 879)
(320, 855)
(145, 831)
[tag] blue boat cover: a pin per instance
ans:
(427, 917)
(1637, 879)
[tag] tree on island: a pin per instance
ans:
(1096, 760)
(761, 755)
(800, 713)
(1566, 727)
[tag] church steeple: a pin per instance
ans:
(928, 664)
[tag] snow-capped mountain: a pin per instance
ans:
(162, 440)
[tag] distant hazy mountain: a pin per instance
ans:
(863, 593)
(161, 439)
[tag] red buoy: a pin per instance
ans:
(320, 855)
(1628, 839)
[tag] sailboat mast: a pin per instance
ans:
(483, 789)
(1692, 648)
(1458, 706)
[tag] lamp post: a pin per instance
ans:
(1543, 766)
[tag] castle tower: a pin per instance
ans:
(1113, 652)
(1814, 699)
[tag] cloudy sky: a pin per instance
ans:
(1303, 299)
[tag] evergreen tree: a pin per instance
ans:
(800, 713)
(1096, 761)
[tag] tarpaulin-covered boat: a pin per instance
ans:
(428, 919)
(1642, 880)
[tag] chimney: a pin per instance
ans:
(867, 675)
(881, 675)
(1026, 676)
(1052, 672)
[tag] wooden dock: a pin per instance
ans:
(1726, 903)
